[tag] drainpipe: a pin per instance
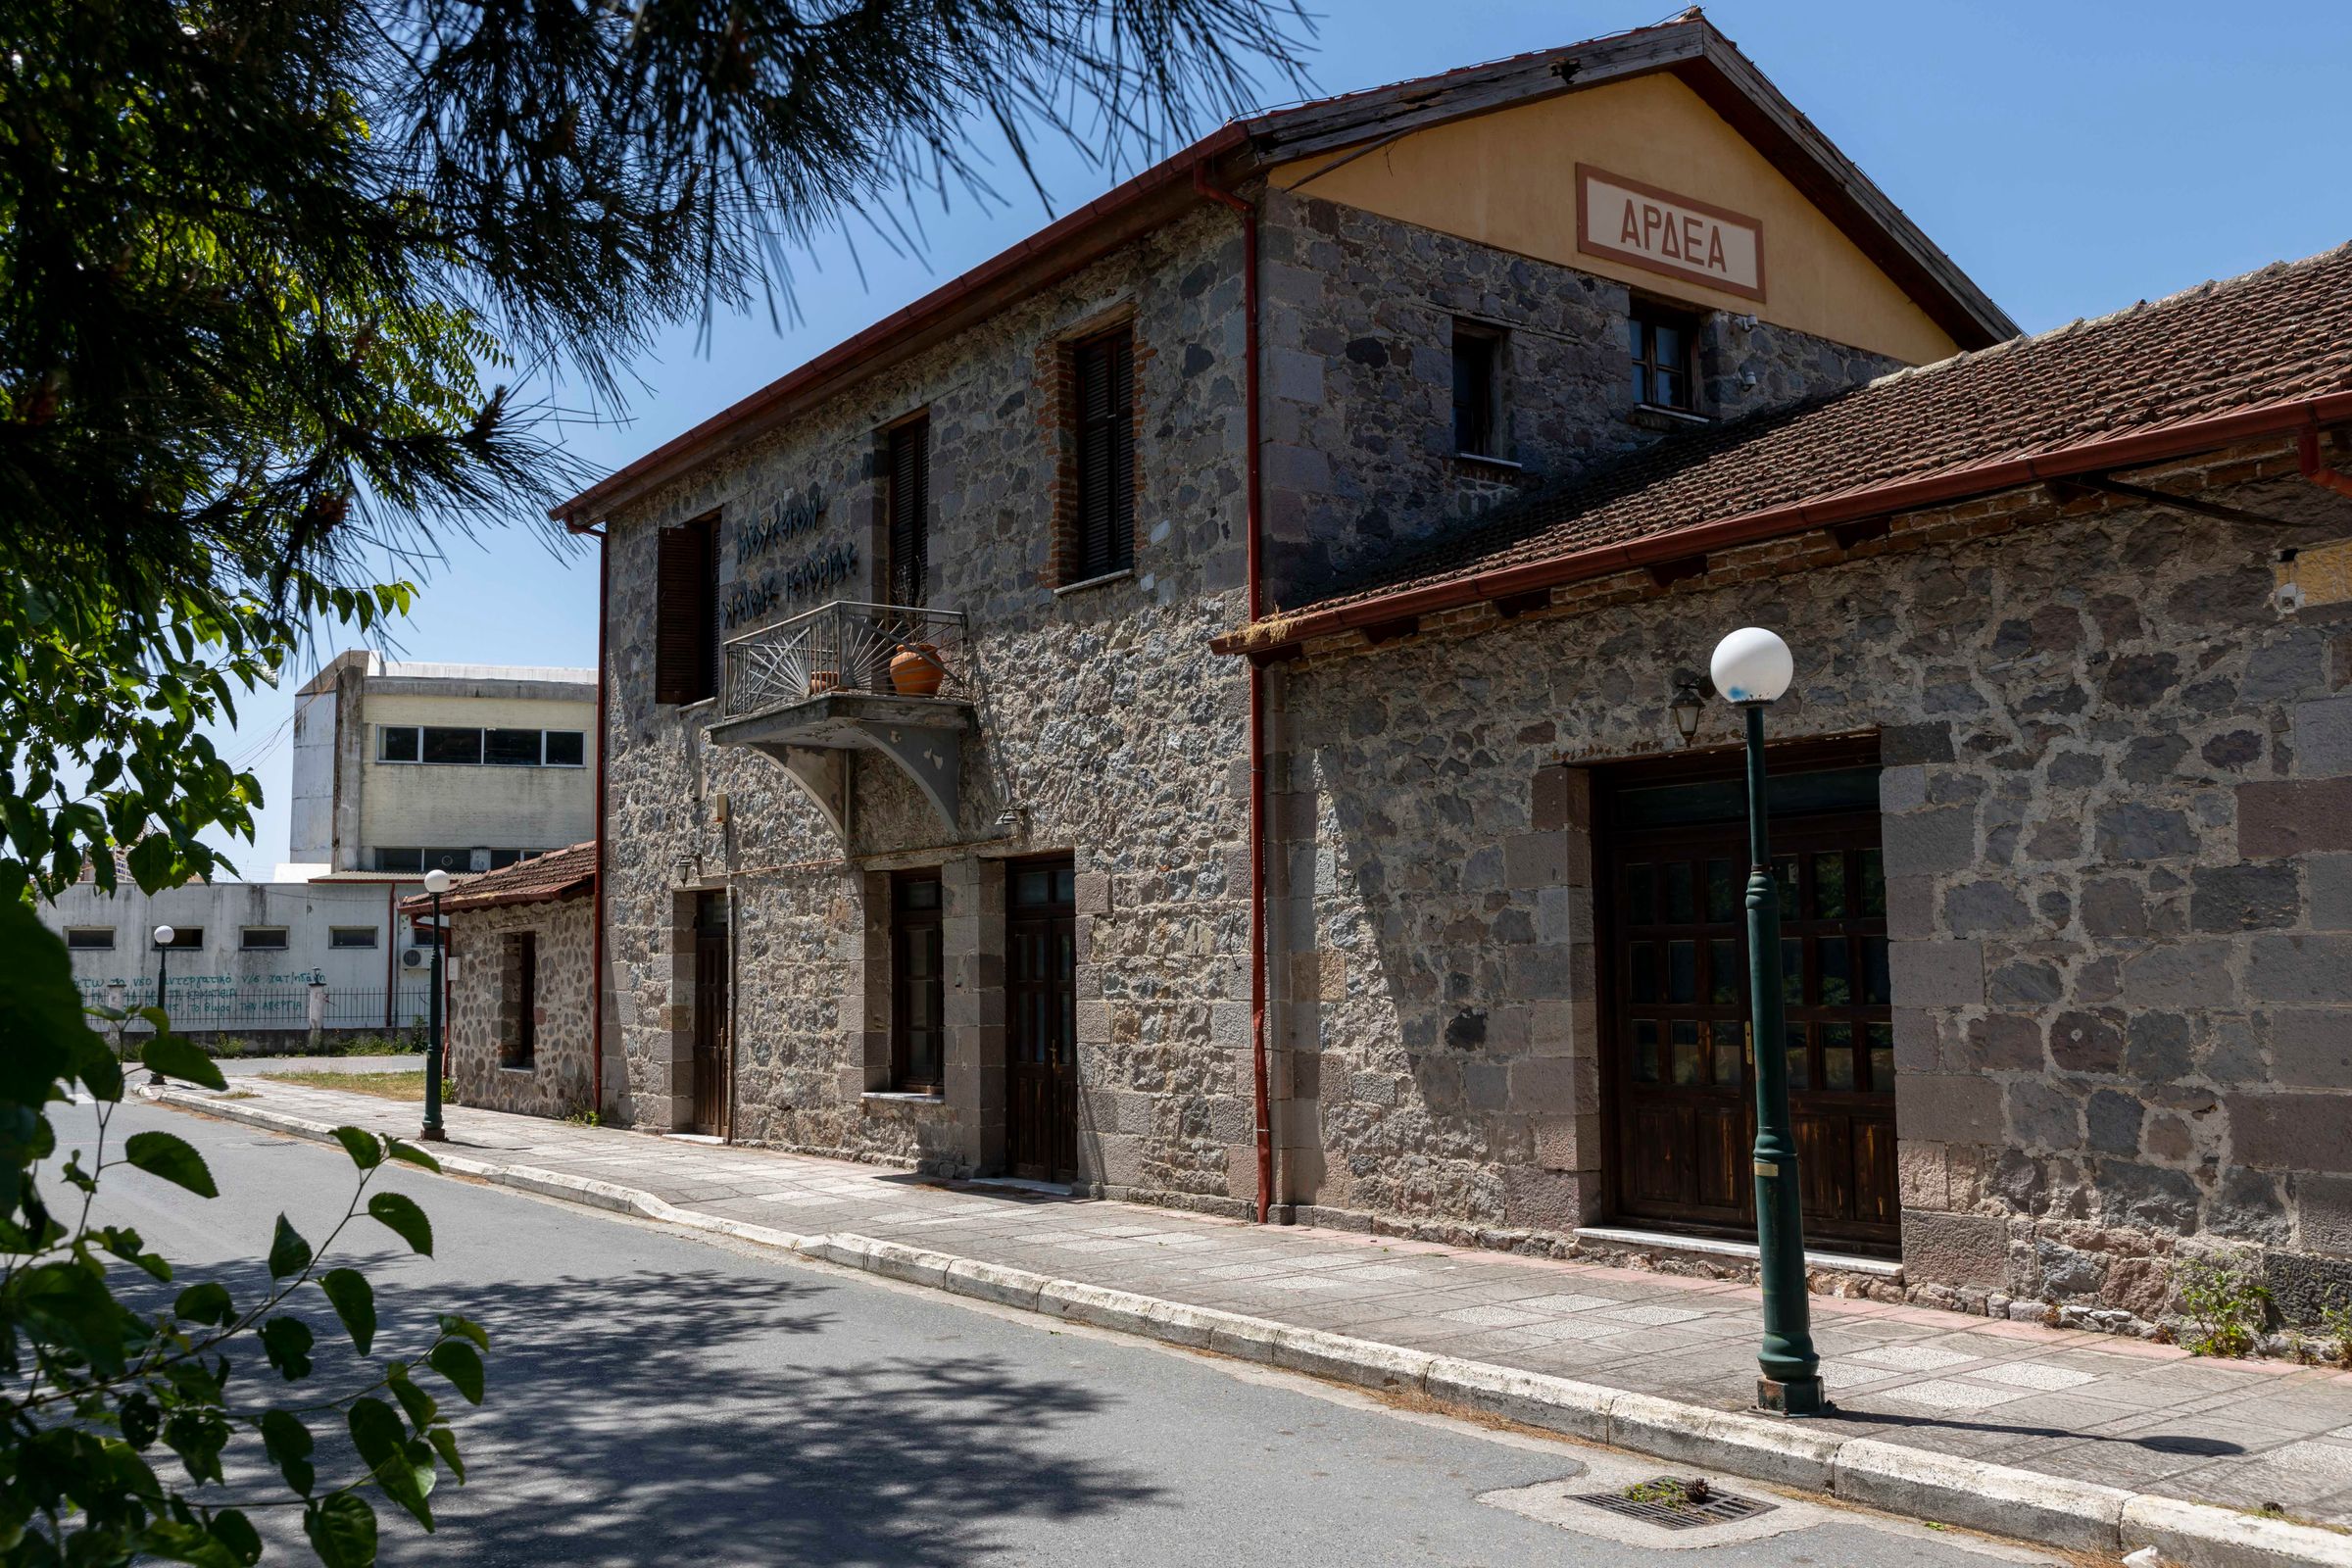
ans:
(596, 919)
(1257, 703)
(2307, 449)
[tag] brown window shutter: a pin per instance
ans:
(685, 614)
(910, 512)
(1105, 395)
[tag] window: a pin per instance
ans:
(1476, 373)
(519, 1000)
(1102, 538)
(909, 536)
(183, 937)
(1661, 344)
(497, 748)
(351, 936)
(686, 612)
(511, 748)
(90, 938)
(917, 1002)
(421, 933)
(452, 744)
(262, 939)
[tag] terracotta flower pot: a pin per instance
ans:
(821, 681)
(914, 670)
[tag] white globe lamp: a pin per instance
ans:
(1751, 665)
(164, 935)
(436, 881)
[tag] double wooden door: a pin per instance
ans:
(1041, 1001)
(1678, 1018)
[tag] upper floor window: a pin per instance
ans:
(90, 938)
(686, 612)
(1103, 532)
(1661, 342)
(496, 748)
(351, 936)
(909, 532)
(1477, 390)
(183, 937)
(262, 939)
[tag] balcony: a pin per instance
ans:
(846, 677)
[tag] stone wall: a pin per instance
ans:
(2115, 786)
(1357, 338)
(1105, 729)
(483, 1004)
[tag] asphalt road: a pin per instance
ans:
(659, 1399)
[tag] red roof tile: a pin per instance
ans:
(542, 879)
(2275, 339)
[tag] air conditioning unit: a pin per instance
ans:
(412, 959)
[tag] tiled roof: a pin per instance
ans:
(2279, 336)
(541, 879)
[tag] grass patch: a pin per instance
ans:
(408, 1085)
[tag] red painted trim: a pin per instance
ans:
(1260, 1094)
(2307, 453)
(596, 921)
(1977, 479)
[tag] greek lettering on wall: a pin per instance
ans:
(793, 518)
(1672, 235)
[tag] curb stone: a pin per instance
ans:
(2002, 1500)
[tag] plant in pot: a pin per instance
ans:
(916, 670)
(823, 679)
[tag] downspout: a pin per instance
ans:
(391, 952)
(596, 919)
(2307, 450)
(1257, 705)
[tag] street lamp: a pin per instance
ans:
(1753, 667)
(436, 882)
(163, 955)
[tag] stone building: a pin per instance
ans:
(518, 979)
(1188, 709)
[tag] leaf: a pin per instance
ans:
(289, 1444)
(176, 1057)
(450, 1323)
(445, 1444)
(418, 1404)
(207, 1302)
(174, 1158)
(287, 1341)
(377, 1432)
(289, 1253)
(414, 1155)
(355, 1304)
(367, 1150)
(342, 1531)
(462, 1364)
(399, 1211)
(235, 1531)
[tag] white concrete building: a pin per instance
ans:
(397, 768)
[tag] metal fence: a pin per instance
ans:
(203, 1006)
(882, 650)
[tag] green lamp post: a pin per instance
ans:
(436, 883)
(1751, 667)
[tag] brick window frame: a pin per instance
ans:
(1056, 375)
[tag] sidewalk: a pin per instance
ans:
(2072, 1438)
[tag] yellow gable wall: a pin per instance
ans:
(1508, 179)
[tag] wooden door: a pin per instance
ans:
(1676, 1014)
(709, 1071)
(1040, 1003)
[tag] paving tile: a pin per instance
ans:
(1942, 1395)
(1492, 1317)
(2034, 1375)
(1652, 1316)
(1913, 1358)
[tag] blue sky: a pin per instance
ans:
(2072, 156)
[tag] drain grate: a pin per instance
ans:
(1719, 1508)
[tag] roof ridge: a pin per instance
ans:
(2025, 341)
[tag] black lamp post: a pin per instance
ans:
(164, 936)
(436, 883)
(1752, 669)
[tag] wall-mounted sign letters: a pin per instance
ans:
(1674, 236)
(803, 578)
(792, 517)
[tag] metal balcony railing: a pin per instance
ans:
(876, 650)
